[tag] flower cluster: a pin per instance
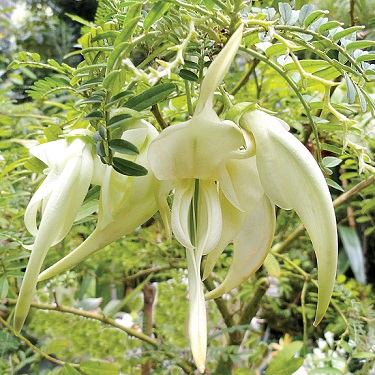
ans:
(226, 177)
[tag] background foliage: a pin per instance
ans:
(315, 72)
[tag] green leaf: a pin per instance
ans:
(364, 355)
(91, 100)
(351, 91)
(334, 185)
(156, 12)
(87, 209)
(4, 287)
(128, 167)
(362, 99)
(346, 32)
(272, 266)
(329, 26)
(100, 149)
(366, 57)
(123, 146)
(151, 96)
(188, 75)
(285, 11)
(360, 44)
(35, 165)
(314, 16)
(331, 161)
(94, 115)
(58, 346)
(118, 120)
(284, 362)
(99, 368)
(69, 370)
(118, 97)
(127, 30)
(306, 10)
(109, 78)
(353, 248)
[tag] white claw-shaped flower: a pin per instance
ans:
(126, 202)
(291, 178)
(192, 156)
(59, 198)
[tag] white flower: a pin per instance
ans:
(71, 170)
(126, 202)
(192, 155)
(227, 180)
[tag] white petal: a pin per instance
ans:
(250, 247)
(197, 312)
(136, 205)
(182, 201)
(193, 149)
(52, 221)
(232, 221)
(209, 218)
(218, 69)
(291, 178)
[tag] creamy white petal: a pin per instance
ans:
(135, 206)
(193, 149)
(197, 312)
(291, 178)
(218, 69)
(209, 218)
(250, 247)
(182, 202)
(232, 221)
(54, 216)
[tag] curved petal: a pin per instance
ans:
(232, 221)
(209, 218)
(182, 201)
(250, 247)
(35, 204)
(242, 181)
(136, 205)
(53, 218)
(291, 178)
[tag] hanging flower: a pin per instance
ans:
(71, 164)
(126, 202)
(227, 180)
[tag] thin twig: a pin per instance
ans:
(90, 315)
(281, 247)
(32, 346)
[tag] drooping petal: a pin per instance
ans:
(291, 178)
(137, 205)
(243, 182)
(197, 312)
(209, 218)
(232, 221)
(182, 202)
(56, 217)
(250, 247)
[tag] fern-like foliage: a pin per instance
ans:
(49, 86)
